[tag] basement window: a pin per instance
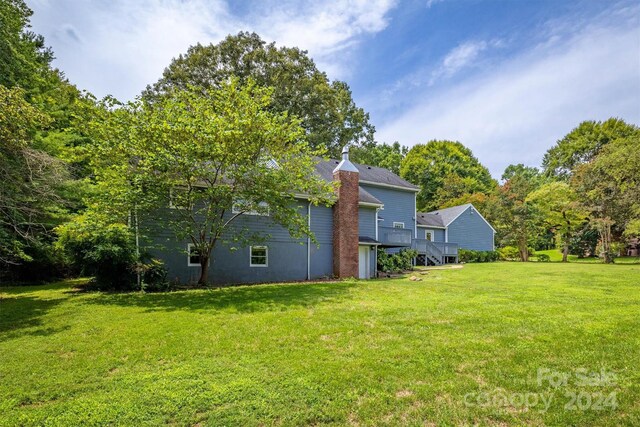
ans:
(398, 224)
(259, 256)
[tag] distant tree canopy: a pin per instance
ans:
(326, 108)
(383, 155)
(582, 144)
(436, 165)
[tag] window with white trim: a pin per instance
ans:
(429, 236)
(258, 256)
(241, 207)
(398, 224)
(193, 256)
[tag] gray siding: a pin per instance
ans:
(437, 233)
(470, 231)
(287, 257)
(367, 222)
(399, 205)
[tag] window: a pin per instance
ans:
(259, 256)
(193, 259)
(428, 236)
(398, 224)
(241, 207)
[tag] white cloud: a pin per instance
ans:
(514, 111)
(118, 47)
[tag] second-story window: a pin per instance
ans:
(428, 236)
(398, 224)
(241, 207)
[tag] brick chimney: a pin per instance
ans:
(345, 219)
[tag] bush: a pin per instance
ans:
(543, 258)
(468, 255)
(105, 251)
(509, 253)
(396, 263)
(154, 276)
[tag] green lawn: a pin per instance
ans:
(556, 256)
(444, 350)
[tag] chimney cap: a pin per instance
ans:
(345, 164)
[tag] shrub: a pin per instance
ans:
(468, 255)
(105, 251)
(154, 276)
(509, 253)
(395, 263)
(543, 257)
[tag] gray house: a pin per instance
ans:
(373, 208)
(441, 233)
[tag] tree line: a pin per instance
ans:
(227, 128)
(585, 199)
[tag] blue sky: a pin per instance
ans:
(506, 78)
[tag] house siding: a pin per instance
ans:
(399, 206)
(287, 257)
(437, 233)
(367, 222)
(470, 231)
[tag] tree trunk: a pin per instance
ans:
(204, 270)
(524, 253)
(605, 239)
(565, 252)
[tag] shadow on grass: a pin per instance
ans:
(22, 312)
(245, 299)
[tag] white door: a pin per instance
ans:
(363, 262)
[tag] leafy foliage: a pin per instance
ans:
(326, 109)
(583, 144)
(209, 150)
(396, 262)
(444, 170)
(468, 255)
(388, 156)
(561, 211)
(100, 248)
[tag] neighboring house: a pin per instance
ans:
(441, 233)
(374, 208)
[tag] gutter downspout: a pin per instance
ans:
(309, 242)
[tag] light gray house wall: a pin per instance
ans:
(470, 231)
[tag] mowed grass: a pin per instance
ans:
(381, 352)
(556, 256)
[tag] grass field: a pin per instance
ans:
(459, 347)
(556, 256)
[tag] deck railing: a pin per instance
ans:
(395, 236)
(437, 249)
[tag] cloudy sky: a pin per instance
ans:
(506, 78)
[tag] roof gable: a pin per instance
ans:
(448, 215)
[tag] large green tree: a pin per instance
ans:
(219, 152)
(520, 220)
(609, 186)
(560, 207)
(388, 156)
(583, 144)
(326, 108)
(435, 164)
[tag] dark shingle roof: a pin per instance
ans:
(366, 197)
(449, 214)
(371, 174)
(429, 220)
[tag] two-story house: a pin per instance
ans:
(373, 208)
